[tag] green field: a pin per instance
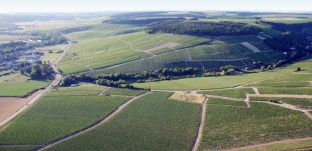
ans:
(220, 102)
(298, 91)
(106, 48)
(300, 102)
(150, 123)
(235, 93)
(210, 82)
(123, 92)
(17, 85)
(82, 87)
(230, 127)
(56, 116)
(293, 145)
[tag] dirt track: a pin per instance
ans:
(10, 105)
(201, 126)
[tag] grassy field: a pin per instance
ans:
(56, 116)
(17, 85)
(150, 123)
(230, 126)
(125, 92)
(50, 57)
(299, 91)
(210, 82)
(235, 93)
(82, 87)
(220, 102)
(293, 145)
(18, 148)
(300, 102)
(290, 80)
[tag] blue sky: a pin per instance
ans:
(151, 5)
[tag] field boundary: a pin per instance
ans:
(92, 126)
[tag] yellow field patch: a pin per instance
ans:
(188, 97)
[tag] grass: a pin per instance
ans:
(82, 87)
(50, 57)
(298, 91)
(230, 127)
(57, 116)
(293, 145)
(146, 64)
(17, 85)
(121, 91)
(235, 93)
(290, 80)
(215, 101)
(54, 47)
(150, 123)
(217, 52)
(18, 148)
(210, 82)
(300, 102)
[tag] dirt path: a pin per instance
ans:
(256, 90)
(87, 129)
(271, 143)
(200, 126)
(308, 114)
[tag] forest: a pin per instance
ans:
(297, 27)
(223, 28)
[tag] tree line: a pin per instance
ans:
(38, 71)
(296, 27)
(223, 28)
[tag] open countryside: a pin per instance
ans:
(156, 80)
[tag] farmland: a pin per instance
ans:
(235, 93)
(300, 102)
(106, 48)
(237, 127)
(284, 145)
(211, 82)
(299, 91)
(20, 84)
(123, 92)
(150, 123)
(56, 116)
(162, 90)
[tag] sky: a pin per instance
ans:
(8, 6)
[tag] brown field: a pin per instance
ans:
(170, 45)
(10, 105)
(188, 97)
(47, 24)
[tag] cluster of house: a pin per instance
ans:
(30, 58)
